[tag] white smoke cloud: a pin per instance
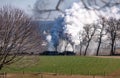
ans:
(76, 18)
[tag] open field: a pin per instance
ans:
(65, 65)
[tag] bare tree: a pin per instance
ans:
(80, 42)
(101, 3)
(113, 27)
(67, 40)
(89, 31)
(102, 32)
(17, 35)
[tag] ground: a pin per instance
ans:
(36, 75)
(94, 63)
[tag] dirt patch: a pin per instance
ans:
(37, 75)
(116, 57)
(116, 73)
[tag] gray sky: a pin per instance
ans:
(51, 4)
(26, 5)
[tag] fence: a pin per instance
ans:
(3, 75)
(52, 75)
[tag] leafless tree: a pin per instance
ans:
(101, 3)
(102, 32)
(89, 32)
(66, 39)
(113, 27)
(112, 30)
(81, 41)
(67, 42)
(17, 35)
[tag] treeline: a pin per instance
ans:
(105, 34)
(106, 31)
(47, 53)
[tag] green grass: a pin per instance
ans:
(65, 65)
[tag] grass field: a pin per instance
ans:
(65, 65)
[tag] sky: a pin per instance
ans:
(51, 4)
(26, 5)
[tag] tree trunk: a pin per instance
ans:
(1, 66)
(73, 48)
(112, 50)
(87, 47)
(66, 48)
(112, 47)
(80, 49)
(56, 48)
(97, 53)
(113, 35)
(100, 40)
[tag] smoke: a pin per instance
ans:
(71, 24)
(50, 43)
(56, 33)
(76, 18)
